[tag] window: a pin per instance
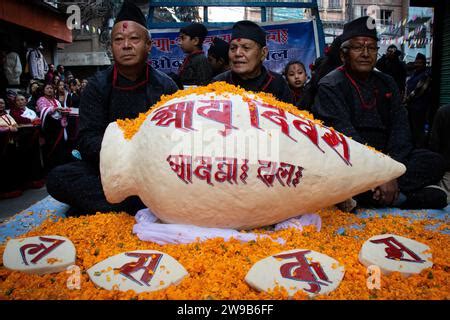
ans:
(359, 11)
(363, 12)
(386, 17)
(334, 4)
(320, 4)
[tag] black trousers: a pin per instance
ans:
(423, 168)
(417, 120)
(29, 153)
(55, 151)
(11, 174)
(78, 184)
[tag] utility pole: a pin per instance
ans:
(405, 15)
(349, 11)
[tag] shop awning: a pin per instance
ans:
(39, 18)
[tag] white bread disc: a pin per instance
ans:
(40, 255)
(393, 253)
(299, 269)
(141, 271)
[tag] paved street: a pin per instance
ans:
(10, 207)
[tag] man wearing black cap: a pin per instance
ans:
(195, 69)
(364, 104)
(218, 56)
(129, 87)
(391, 64)
(418, 100)
(247, 53)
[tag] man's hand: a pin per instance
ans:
(387, 193)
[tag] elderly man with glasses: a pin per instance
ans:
(365, 104)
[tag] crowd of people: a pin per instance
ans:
(38, 129)
(377, 102)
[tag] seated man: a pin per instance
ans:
(364, 104)
(247, 53)
(129, 87)
(440, 142)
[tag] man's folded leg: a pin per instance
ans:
(424, 171)
(78, 184)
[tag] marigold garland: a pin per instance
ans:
(131, 126)
(217, 268)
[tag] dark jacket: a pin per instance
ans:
(298, 95)
(395, 68)
(440, 133)
(101, 103)
(73, 100)
(418, 90)
(267, 81)
(384, 126)
(195, 70)
(420, 109)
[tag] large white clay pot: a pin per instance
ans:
(278, 165)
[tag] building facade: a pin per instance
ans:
(388, 11)
(31, 31)
(333, 14)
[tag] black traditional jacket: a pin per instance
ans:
(267, 81)
(375, 117)
(109, 96)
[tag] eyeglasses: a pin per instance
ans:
(360, 48)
